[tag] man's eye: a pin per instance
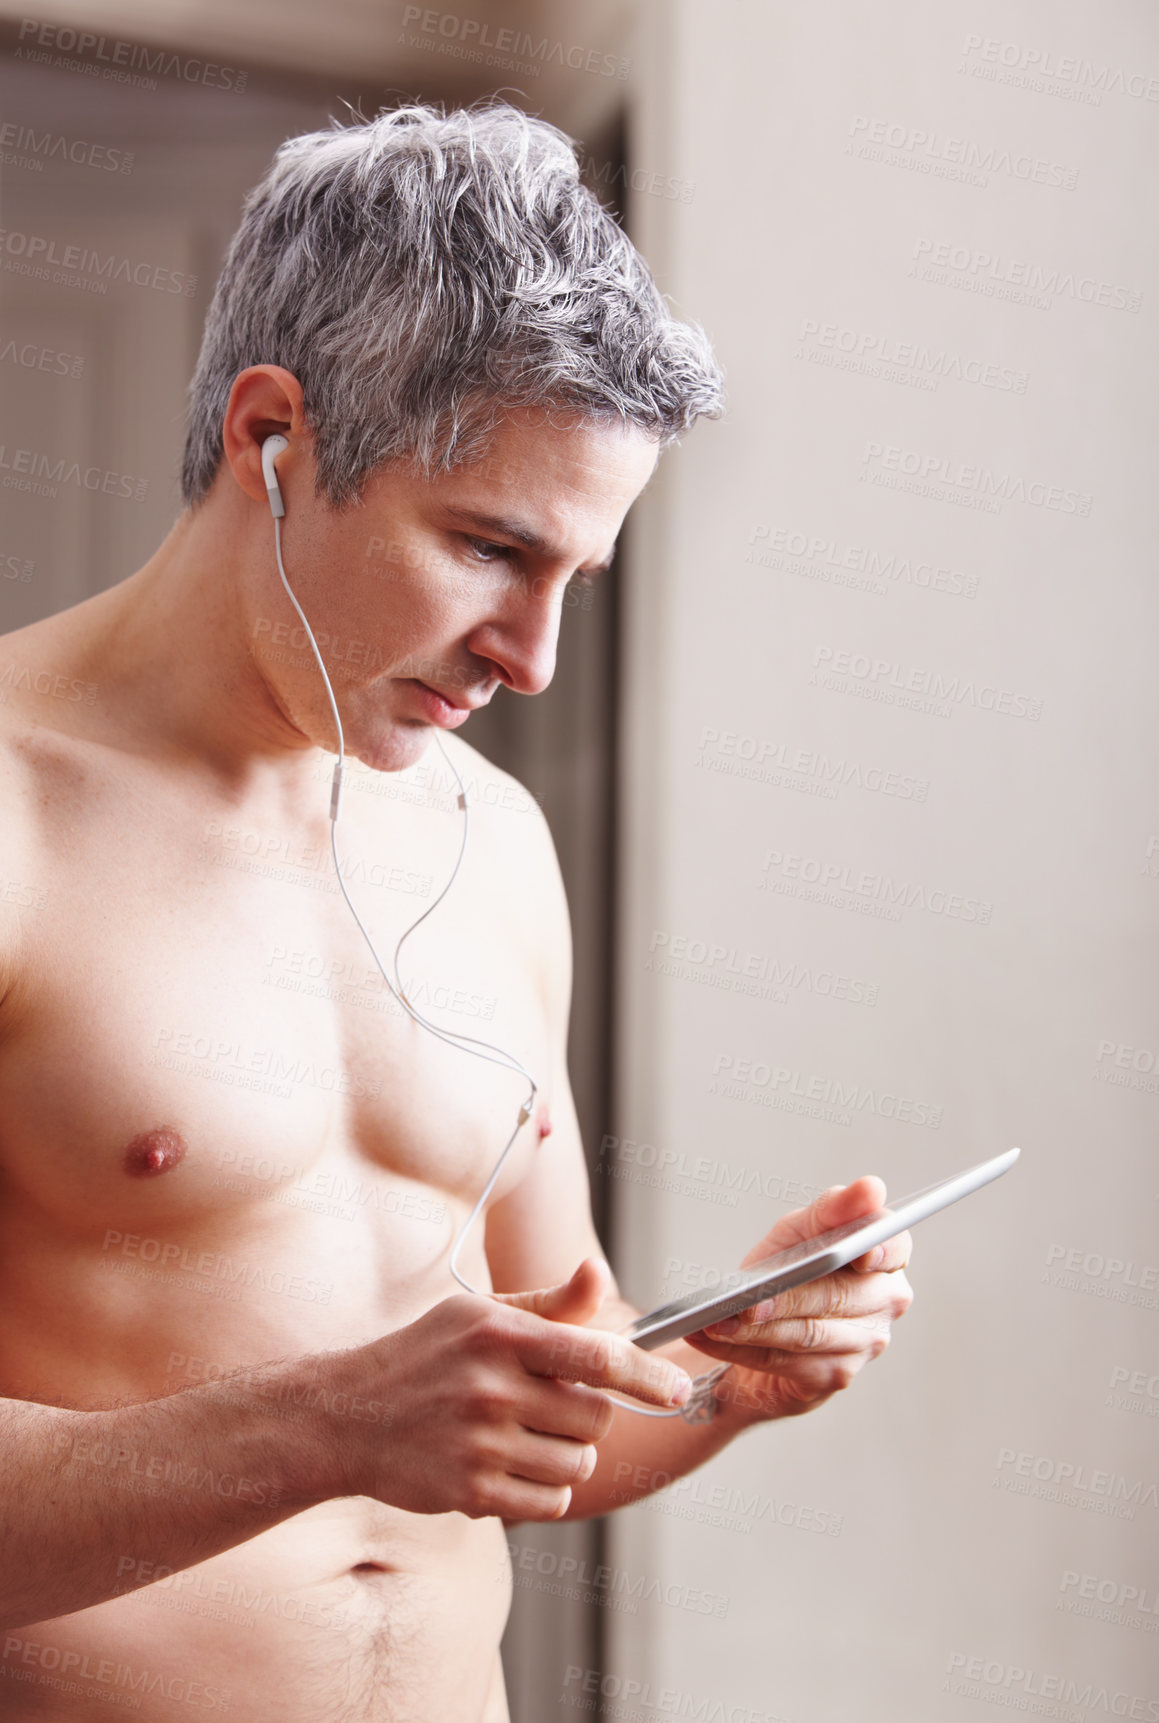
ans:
(486, 551)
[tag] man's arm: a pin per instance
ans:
(789, 1356)
(640, 1454)
(540, 1232)
(477, 1408)
(95, 1503)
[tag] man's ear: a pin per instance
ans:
(264, 399)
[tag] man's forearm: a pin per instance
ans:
(641, 1455)
(92, 1504)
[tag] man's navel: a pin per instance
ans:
(154, 1152)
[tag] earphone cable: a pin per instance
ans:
(702, 1385)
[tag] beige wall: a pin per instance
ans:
(895, 1536)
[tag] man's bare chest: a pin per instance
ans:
(201, 1026)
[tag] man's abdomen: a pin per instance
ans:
(349, 1613)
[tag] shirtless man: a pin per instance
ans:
(259, 1446)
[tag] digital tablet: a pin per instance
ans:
(809, 1260)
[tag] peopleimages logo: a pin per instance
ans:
(628, 1588)
(836, 879)
(79, 266)
(607, 174)
(989, 272)
(1069, 1481)
(23, 678)
(826, 559)
(1120, 1279)
(706, 1176)
(1129, 1068)
(1012, 1685)
(878, 355)
(738, 1079)
(30, 356)
(933, 152)
(986, 54)
(1135, 1600)
(1140, 1391)
(33, 470)
(633, 1701)
(879, 460)
(733, 970)
(765, 761)
(25, 147)
(38, 41)
(471, 39)
(901, 684)
(64, 1670)
(263, 1069)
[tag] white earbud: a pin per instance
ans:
(271, 449)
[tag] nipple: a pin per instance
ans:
(154, 1152)
(544, 1126)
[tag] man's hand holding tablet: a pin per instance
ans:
(792, 1351)
(794, 1347)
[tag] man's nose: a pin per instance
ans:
(521, 639)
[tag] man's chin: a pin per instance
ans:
(405, 742)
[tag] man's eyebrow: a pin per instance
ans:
(506, 526)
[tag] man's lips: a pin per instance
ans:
(460, 705)
(442, 709)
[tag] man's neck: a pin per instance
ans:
(169, 649)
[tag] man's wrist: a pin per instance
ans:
(735, 1400)
(283, 1423)
(740, 1403)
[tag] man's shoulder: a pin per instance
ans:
(38, 675)
(510, 828)
(20, 889)
(509, 835)
(20, 722)
(46, 712)
(46, 716)
(490, 789)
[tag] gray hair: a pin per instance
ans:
(420, 272)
